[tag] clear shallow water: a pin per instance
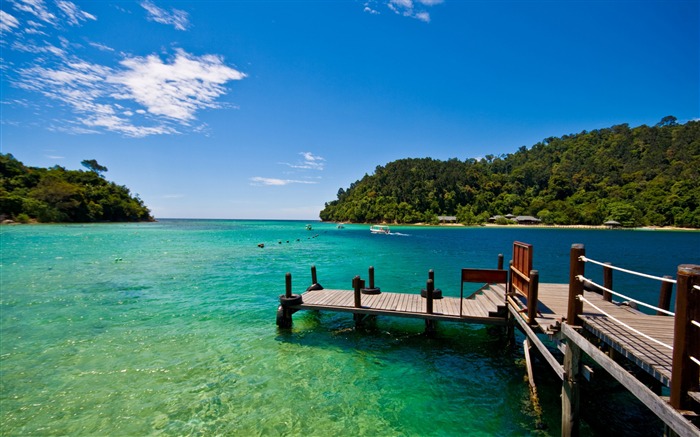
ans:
(169, 329)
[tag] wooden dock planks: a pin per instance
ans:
(474, 310)
(652, 357)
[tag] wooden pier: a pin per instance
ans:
(577, 319)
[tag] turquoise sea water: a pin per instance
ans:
(168, 328)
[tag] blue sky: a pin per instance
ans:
(264, 109)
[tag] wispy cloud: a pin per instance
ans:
(176, 18)
(7, 22)
(158, 95)
(277, 182)
(36, 8)
(310, 162)
(73, 13)
(417, 9)
(135, 96)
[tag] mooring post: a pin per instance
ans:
(607, 281)
(357, 285)
(429, 324)
(288, 285)
(576, 268)
(314, 281)
(686, 337)
(429, 295)
(665, 296)
(500, 261)
(532, 291)
(284, 313)
(371, 289)
(570, 396)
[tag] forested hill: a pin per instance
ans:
(59, 195)
(636, 176)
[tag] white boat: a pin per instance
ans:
(308, 227)
(379, 229)
(341, 226)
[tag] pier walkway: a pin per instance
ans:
(576, 319)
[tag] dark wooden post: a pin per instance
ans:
(576, 268)
(357, 285)
(532, 291)
(288, 285)
(284, 314)
(429, 296)
(607, 282)
(665, 296)
(500, 261)
(371, 276)
(686, 337)
(570, 396)
(314, 280)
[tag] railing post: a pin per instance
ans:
(509, 285)
(532, 291)
(686, 337)
(500, 261)
(665, 296)
(357, 285)
(607, 282)
(429, 296)
(576, 268)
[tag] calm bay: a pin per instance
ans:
(168, 328)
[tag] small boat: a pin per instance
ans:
(308, 227)
(341, 226)
(379, 229)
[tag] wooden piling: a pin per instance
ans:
(607, 281)
(686, 337)
(570, 394)
(500, 261)
(576, 268)
(665, 296)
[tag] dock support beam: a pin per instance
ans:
(570, 395)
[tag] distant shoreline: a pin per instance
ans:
(594, 227)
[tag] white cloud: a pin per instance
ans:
(310, 162)
(277, 182)
(158, 92)
(178, 89)
(408, 8)
(176, 18)
(7, 22)
(36, 8)
(74, 15)
(101, 47)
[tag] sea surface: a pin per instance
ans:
(168, 329)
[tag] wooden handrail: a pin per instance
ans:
(685, 373)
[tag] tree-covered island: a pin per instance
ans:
(642, 176)
(51, 195)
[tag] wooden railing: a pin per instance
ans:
(685, 367)
(523, 279)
